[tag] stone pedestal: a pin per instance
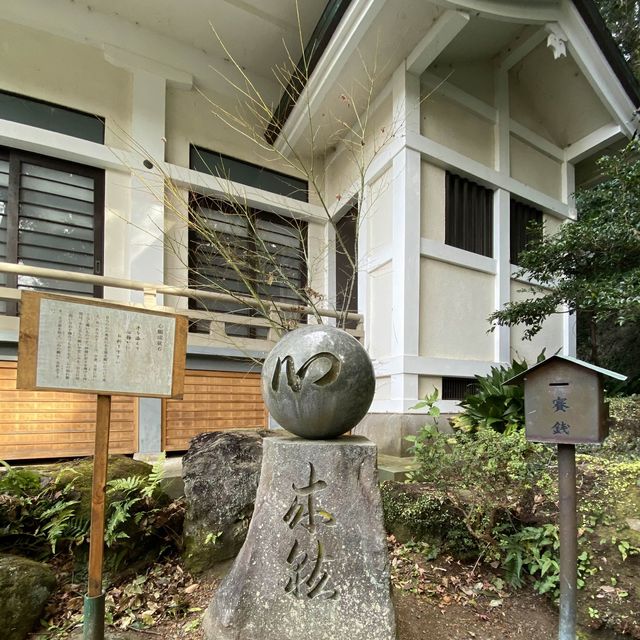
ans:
(314, 564)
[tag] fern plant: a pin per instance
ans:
(130, 501)
(44, 521)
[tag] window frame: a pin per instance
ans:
(16, 158)
(197, 162)
(62, 109)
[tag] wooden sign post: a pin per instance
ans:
(90, 346)
(563, 405)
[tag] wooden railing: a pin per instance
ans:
(218, 323)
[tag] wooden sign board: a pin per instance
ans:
(85, 345)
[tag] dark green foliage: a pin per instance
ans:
(18, 482)
(494, 404)
(614, 347)
(43, 517)
(623, 20)
(38, 520)
(593, 265)
(623, 442)
(490, 478)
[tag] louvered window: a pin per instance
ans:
(51, 215)
(525, 228)
(230, 245)
(236, 250)
(468, 216)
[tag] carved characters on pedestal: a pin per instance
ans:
(307, 561)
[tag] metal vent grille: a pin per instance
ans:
(458, 388)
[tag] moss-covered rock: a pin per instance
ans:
(418, 512)
(221, 472)
(79, 473)
(25, 587)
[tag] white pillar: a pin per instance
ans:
(406, 240)
(146, 241)
(501, 252)
(146, 231)
(569, 321)
(502, 216)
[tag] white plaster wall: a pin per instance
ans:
(176, 255)
(43, 66)
(191, 119)
(380, 312)
(475, 78)
(116, 223)
(452, 125)
(534, 168)
(552, 224)
(549, 338)
(426, 385)
(520, 110)
(432, 201)
(455, 303)
(378, 214)
(346, 162)
(383, 388)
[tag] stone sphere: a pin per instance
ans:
(318, 382)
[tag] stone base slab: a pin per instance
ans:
(389, 430)
(314, 565)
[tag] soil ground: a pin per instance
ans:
(437, 599)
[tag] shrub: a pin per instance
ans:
(494, 404)
(46, 519)
(490, 477)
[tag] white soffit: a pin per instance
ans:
(179, 35)
(554, 95)
(373, 39)
(256, 33)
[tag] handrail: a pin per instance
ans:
(146, 287)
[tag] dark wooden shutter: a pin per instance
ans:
(4, 200)
(525, 227)
(468, 215)
(52, 216)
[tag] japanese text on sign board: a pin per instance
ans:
(89, 347)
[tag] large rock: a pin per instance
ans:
(25, 587)
(220, 473)
(314, 565)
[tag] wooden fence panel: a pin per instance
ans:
(51, 424)
(212, 401)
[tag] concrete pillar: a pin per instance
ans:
(406, 240)
(146, 241)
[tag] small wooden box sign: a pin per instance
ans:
(563, 401)
(84, 345)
